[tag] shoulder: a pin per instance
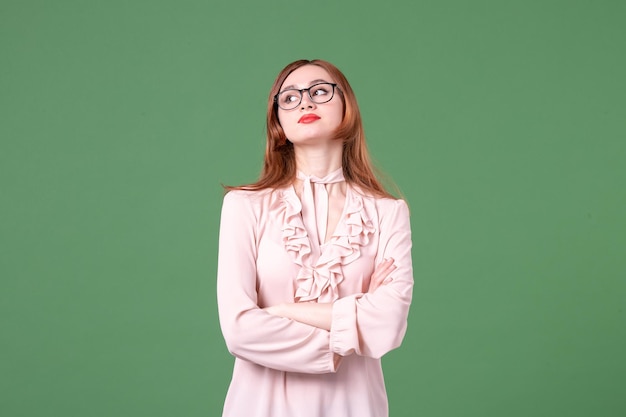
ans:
(383, 204)
(389, 214)
(254, 201)
(392, 204)
(246, 196)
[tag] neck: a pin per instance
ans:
(319, 160)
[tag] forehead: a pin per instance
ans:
(305, 76)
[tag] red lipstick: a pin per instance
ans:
(308, 118)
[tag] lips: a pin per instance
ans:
(308, 118)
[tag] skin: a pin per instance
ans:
(317, 153)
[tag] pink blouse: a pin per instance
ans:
(284, 368)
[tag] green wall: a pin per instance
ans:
(503, 122)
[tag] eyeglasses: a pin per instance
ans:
(318, 93)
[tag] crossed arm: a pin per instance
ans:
(320, 314)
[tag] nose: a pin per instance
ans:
(306, 102)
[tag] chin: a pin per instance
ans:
(311, 140)
(311, 136)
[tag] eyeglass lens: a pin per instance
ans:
(318, 93)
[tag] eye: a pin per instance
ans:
(321, 90)
(289, 96)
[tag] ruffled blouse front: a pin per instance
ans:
(319, 277)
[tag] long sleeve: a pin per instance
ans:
(372, 324)
(250, 332)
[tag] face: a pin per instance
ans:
(310, 122)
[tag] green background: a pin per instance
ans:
(503, 123)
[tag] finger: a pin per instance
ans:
(388, 273)
(383, 278)
(384, 264)
(387, 280)
(384, 268)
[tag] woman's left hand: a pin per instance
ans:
(381, 275)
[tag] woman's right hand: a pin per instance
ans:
(381, 275)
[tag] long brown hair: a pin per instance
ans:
(279, 167)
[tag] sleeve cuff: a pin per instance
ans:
(344, 337)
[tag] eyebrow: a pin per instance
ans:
(293, 87)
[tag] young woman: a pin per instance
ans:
(314, 271)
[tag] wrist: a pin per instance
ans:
(281, 309)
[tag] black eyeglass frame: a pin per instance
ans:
(308, 90)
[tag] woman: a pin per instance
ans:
(314, 271)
